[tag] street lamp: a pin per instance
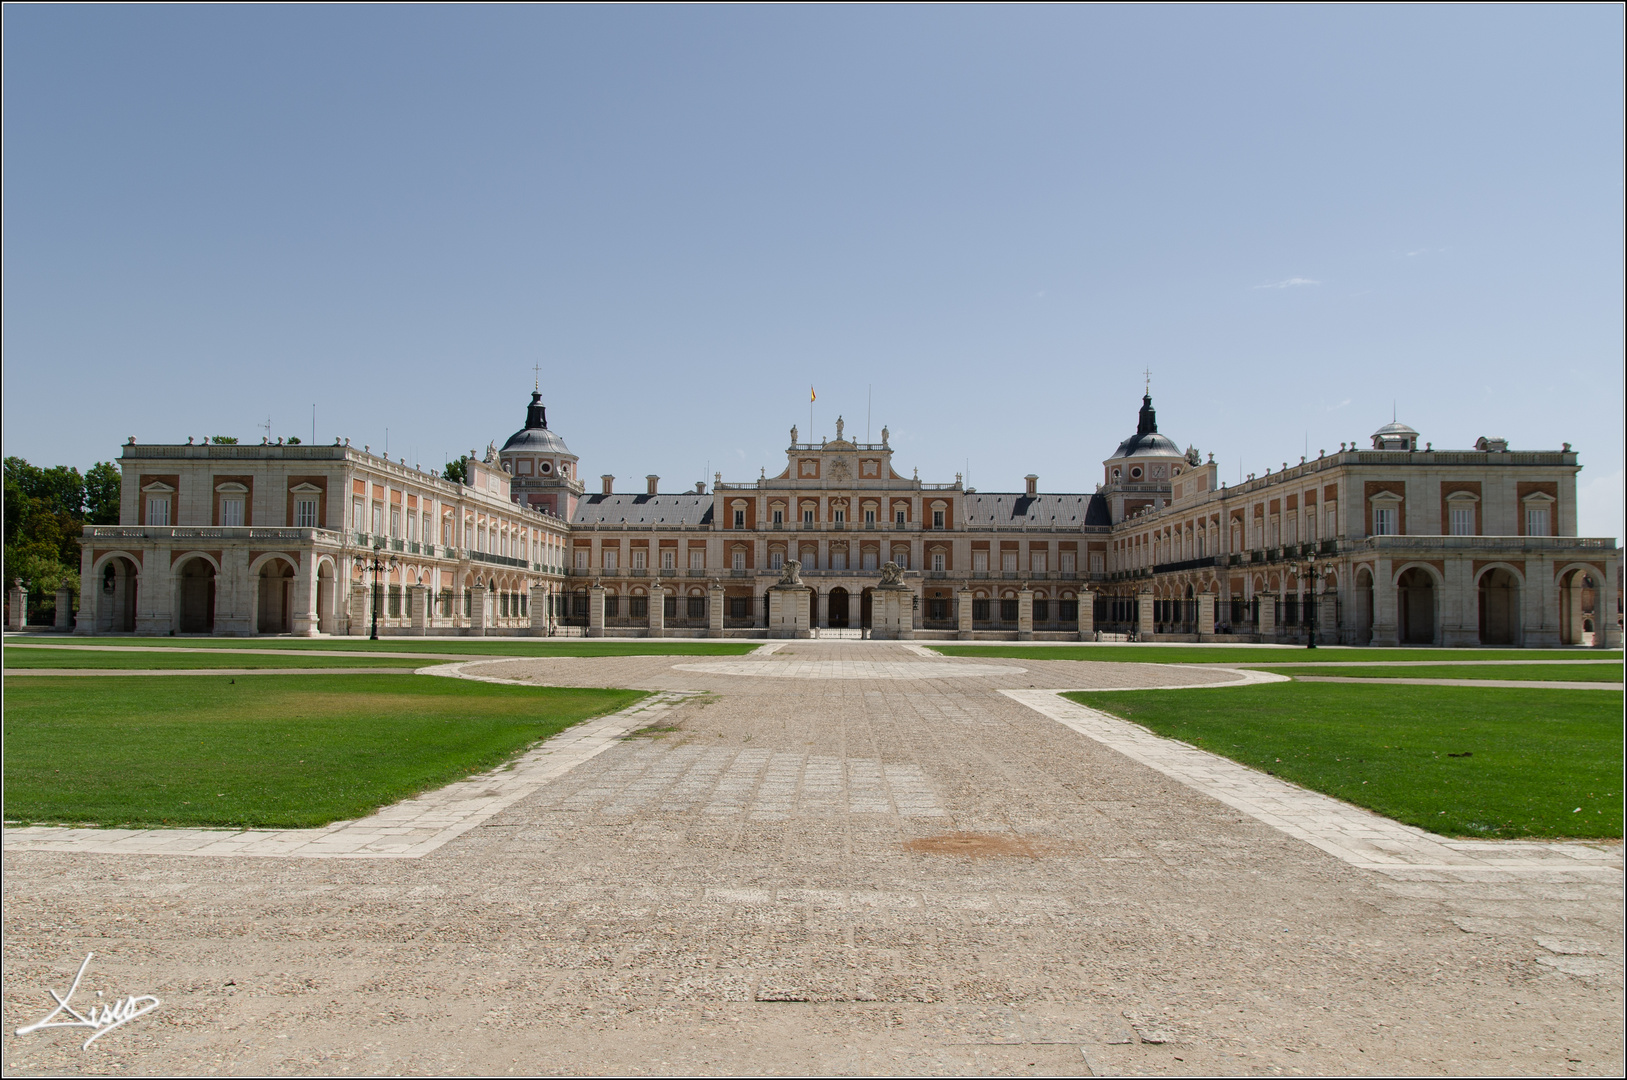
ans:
(1310, 572)
(377, 567)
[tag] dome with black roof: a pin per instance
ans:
(535, 438)
(1146, 442)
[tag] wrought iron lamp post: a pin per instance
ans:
(1310, 572)
(377, 567)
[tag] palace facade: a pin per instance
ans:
(1389, 544)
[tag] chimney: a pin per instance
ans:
(609, 482)
(651, 482)
(1033, 484)
(700, 487)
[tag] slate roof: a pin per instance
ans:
(1011, 508)
(690, 509)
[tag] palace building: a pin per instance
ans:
(1388, 544)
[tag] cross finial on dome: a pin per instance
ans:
(1148, 373)
(536, 373)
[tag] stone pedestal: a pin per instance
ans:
(1206, 615)
(16, 607)
(1327, 618)
(1267, 626)
(892, 613)
(596, 611)
(714, 610)
(418, 600)
(965, 615)
(360, 597)
(1087, 616)
(64, 609)
(539, 610)
(658, 610)
(788, 615)
(480, 610)
(1025, 614)
(1145, 626)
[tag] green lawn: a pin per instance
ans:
(1256, 657)
(168, 658)
(433, 649)
(1599, 673)
(268, 751)
(1459, 761)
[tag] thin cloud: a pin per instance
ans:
(1420, 251)
(1336, 408)
(1289, 283)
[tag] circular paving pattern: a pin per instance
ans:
(850, 669)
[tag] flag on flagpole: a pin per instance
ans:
(812, 397)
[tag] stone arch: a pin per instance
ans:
(195, 579)
(1572, 580)
(117, 577)
(327, 593)
(837, 613)
(1499, 588)
(273, 576)
(1417, 604)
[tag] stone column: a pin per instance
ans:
(16, 606)
(64, 609)
(89, 593)
(540, 599)
(714, 610)
(418, 597)
(596, 610)
(155, 598)
(1025, 614)
(302, 621)
(1145, 624)
(360, 597)
(1606, 635)
(1267, 626)
(1386, 603)
(1539, 607)
(1459, 605)
(658, 613)
(1087, 615)
(964, 614)
(1206, 615)
(236, 595)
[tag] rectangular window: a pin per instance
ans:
(980, 611)
(901, 556)
(869, 517)
(581, 558)
(305, 513)
(1098, 562)
(869, 560)
(609, 558)
(1067, 559)
(937, 561)
(779, 517)
(1536, 521)
(697, 607)
(1008, 611)
(807, 519)
(738, 560)
(980, 562)
(378, 519)
(412, 526)
(158, 511)
(838, 560)
(841, 517)
(231, 511)
(669, 559)
(740, 519)
(1384, 520)
(937, 519)
(898, 518)
(1462, 520)
(1008, 562)
(697, 558)
(1036, 562)
(395, 522)
(776, 560)
(640, 559)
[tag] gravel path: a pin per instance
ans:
(897, 872)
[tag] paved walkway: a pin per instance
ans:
(894, 873)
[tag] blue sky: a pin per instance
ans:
(990, 219)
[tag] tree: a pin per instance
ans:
(223, 440)
(44, 513)
(293, 440)
(102, 484)
(457, 471)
